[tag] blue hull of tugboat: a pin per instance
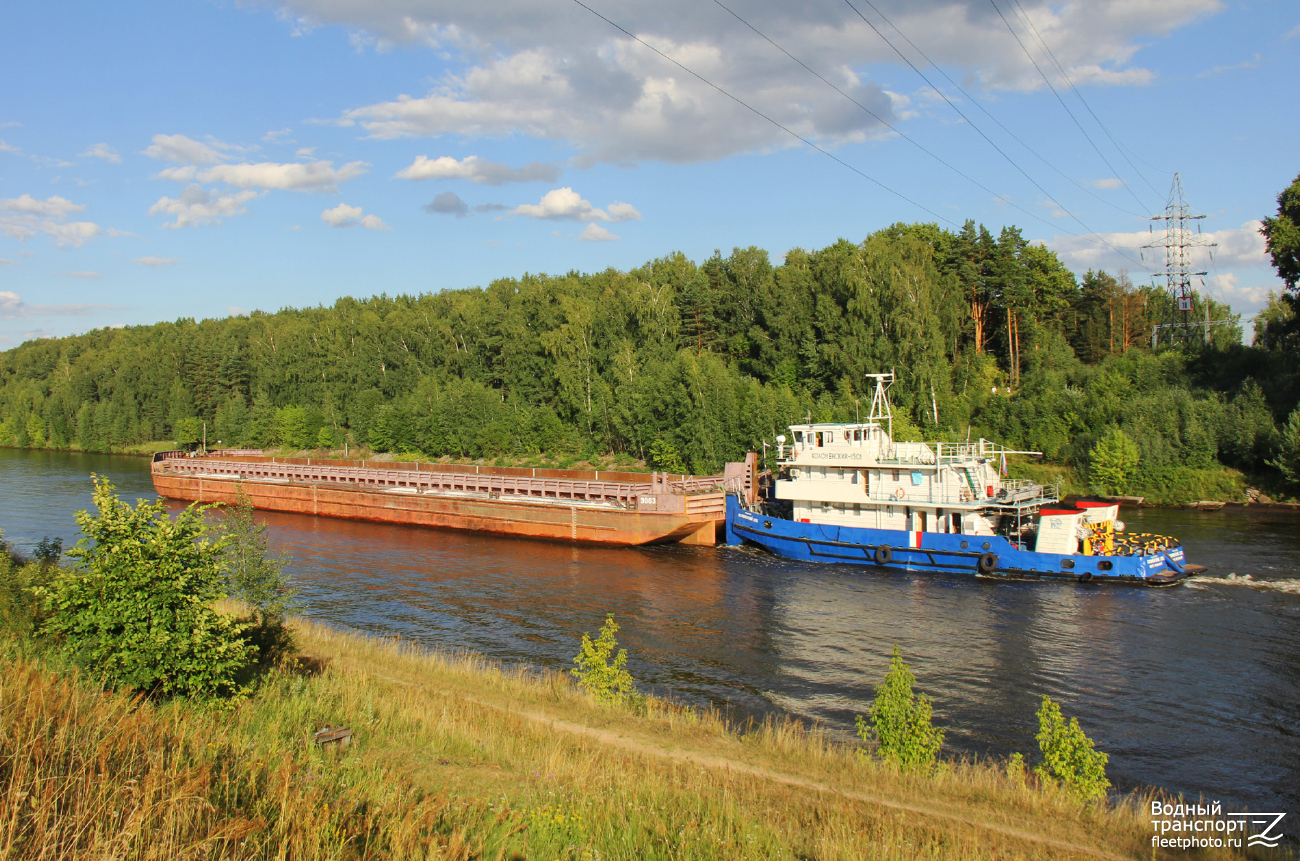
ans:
(988, 556)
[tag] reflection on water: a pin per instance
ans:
(1194, 688)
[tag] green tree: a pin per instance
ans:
(253, 576)
(665, 456)
(1068, 755)
(607, 681)
(901, 721)
(137, 608)
(1282, 235)
(1287, 461)
(189, 431)
(1112, 462)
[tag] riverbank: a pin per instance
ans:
(456, 757)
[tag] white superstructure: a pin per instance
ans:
(855, 474)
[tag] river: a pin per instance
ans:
(1195, 689)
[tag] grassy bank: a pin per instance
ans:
(455, 757)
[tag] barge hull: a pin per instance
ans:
(549, 521)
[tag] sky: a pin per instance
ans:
(161, 160)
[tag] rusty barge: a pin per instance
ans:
(602, 507)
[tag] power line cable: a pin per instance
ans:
(998, 122)
(1047, 81)
(892, 127)
(759, 113)
(981, 133)
(1066, 75)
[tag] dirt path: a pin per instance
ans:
(712, 761)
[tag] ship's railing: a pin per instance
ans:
(657, 495)
(1014, 493)
(946, 453)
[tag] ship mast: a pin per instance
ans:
(880, 410)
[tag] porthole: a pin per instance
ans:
(965, 544)
(1067, 563)
(1105, 565)
(767, 524)
(987, 545)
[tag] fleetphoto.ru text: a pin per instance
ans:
(1206, 826)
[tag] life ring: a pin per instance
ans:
(988, 563)
(899, 494)
(884, 553)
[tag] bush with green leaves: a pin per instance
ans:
(254, 576)
(609, 681)
(901, 721)
(20, 582)
(257, 578)
(1113, 461)
(1069, 755)
(137, 610)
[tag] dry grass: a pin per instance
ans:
(457, 757)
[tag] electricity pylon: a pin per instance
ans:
(1177, 240)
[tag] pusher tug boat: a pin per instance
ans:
(850, 493)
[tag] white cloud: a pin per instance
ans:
(7, 147)
(1109, 182)
(350, 216)
(1252, 63)
(623, 212)
(305, 152)
(448, 203)
(90, 275)
(104, 151)
(1238, 248)
(156, 262)
(562, 204)
(294, 176)
(12, 307)
(1293, 32)
(565, 204)
(236, 311)
(51, 207)
(523, 69)
(45, 216)
(74, 233)
(4, 262)
(197, 206)
(478, 170)
(280, 136)
(183, 150)
(596, 233)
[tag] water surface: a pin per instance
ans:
(1195, 688)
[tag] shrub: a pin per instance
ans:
(137, 610)
(20, 582)
(608, 682)
(254, 577)
(1069, 755)
(900, 721)
(1113, 461)
(258, 580)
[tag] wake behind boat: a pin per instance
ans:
(847, 492)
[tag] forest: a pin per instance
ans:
(684, 366)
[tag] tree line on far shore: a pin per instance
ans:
(678, 363)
